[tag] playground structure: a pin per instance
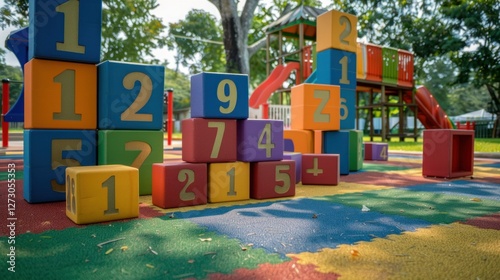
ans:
(382, 73)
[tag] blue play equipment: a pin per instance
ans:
(17, 42)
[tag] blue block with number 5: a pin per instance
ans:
(130, 95)
(47, 154)
(135, 148)
(67, 30)
(337, 142)
(219, 96)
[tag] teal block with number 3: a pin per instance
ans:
(219, 96)
(47, 154)
(135, 148)
(65, 30)
(130, 96)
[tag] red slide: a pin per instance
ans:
(275, 80)
(430, 114)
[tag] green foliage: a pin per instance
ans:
(15, 75)
(198, 41)
(180, 83)
(14, 13)
(130, 32)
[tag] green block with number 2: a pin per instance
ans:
(136, 148)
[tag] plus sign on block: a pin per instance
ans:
(320, 169)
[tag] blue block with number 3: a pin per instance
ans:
(47, 154)
(67, 30)
(219, 96)
(130, 96)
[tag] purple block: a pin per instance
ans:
(297, 157)
(260, 140)
(380, 151)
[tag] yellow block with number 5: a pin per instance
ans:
(102, 193)
(228, 181)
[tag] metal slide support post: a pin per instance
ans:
(5, 109)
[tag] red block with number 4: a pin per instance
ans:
(208, 140)
(178, 184)
(271, 179)
(320, 169)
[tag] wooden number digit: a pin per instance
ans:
(71, 11)
(232, 191)
(58, 146)
(110, 185)
(283, 177)
(187, 176)
(143, 155)
(319, 116)
(221, 127)
(142, 98)
(347, 30)
(383, 152)
(315, 171)
(70, 195)
(68, 102)
(231, 98)
(344, 62)
(268, 146)
(344, 111)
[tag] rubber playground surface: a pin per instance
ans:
(384, 222)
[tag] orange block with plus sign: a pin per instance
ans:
(315, 107)
(320, 169)
(60, 95)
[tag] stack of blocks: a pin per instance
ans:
(225, 156)
(322, 114)
(79, 113)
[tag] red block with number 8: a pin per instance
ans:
(272, 179)
(208, 140)
(178, 184)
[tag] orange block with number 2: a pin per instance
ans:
(101, 193)
(228, 181)
(60, 95)
(336, 30)
(315, 107)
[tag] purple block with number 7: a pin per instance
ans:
(260, 140)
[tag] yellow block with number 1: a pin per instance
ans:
(228, 181)
(101, 193)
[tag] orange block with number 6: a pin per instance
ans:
(315, 107)
(101, 193)
(60, 95)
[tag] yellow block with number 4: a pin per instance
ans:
(101, 193)
(228, 181)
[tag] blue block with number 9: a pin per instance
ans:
(130, 95)
(67, 30)
(47, 154)
(219, 95)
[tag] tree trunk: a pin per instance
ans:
(236, 33)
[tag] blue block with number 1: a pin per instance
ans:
(219, 96)
(47, 154)
(67, 30)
